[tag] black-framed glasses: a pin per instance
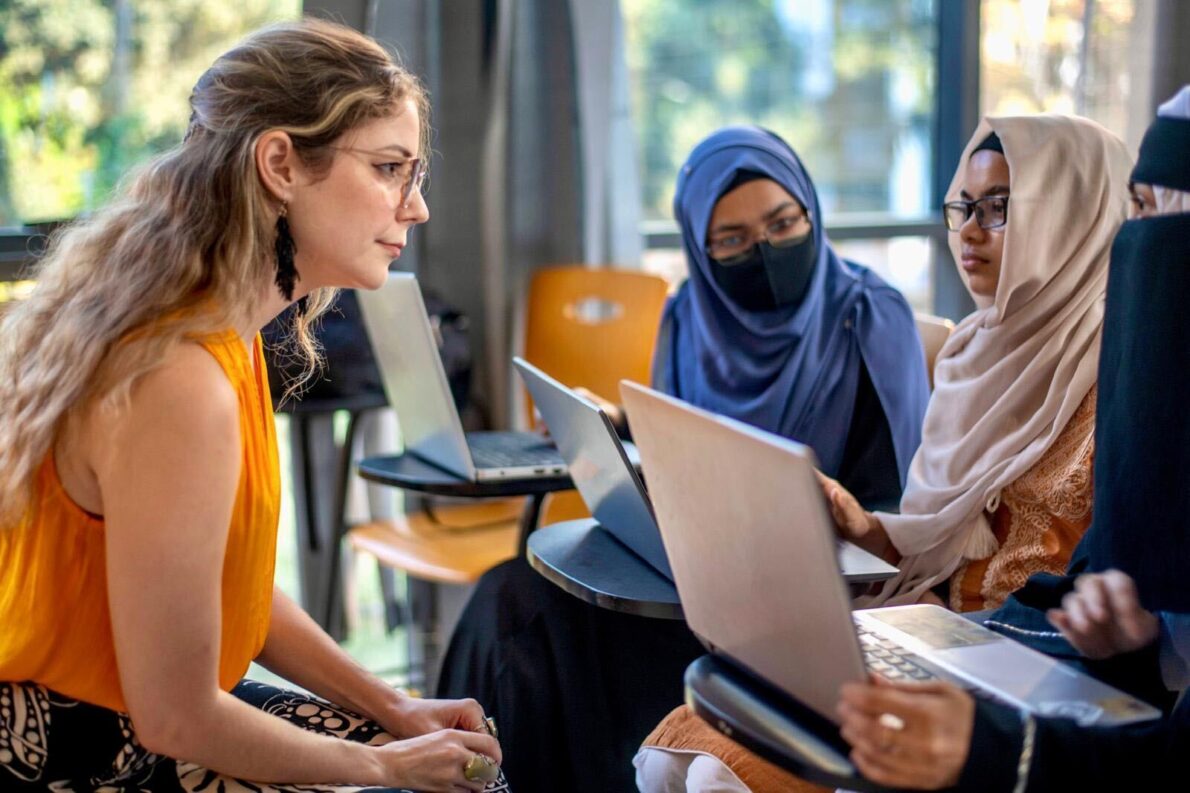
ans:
(780, 232)
(990, 212)
(412, 172)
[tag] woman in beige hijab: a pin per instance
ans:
(1001, 485)
(1000, 488)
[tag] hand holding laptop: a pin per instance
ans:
(615, 413)
(907, 735)
(929, 739)
(854, 523)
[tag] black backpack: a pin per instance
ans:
(350, 376)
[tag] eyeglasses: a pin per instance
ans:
(781, 232)
(990, 212)
(410, 174)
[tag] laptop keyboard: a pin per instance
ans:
(512, 450)
(890, 660)
(884, 657)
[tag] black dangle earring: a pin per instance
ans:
(287, 273)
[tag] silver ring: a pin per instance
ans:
(891, 724)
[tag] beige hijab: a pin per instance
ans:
(1014, 371)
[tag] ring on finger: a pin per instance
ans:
(481, 768)
(891, 724)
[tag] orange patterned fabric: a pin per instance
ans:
(55, 627)
(683, 731)
(1041, 518)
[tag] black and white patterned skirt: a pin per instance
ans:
(52, 742)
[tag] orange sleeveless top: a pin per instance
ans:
(55, 628)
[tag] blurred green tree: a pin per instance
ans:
(846, 82)
(89, 88)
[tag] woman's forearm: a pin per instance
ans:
(299, 650)
(235, 739)
(875, 540)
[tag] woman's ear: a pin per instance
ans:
(277, 164)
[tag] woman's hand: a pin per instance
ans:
(908, 735)
(436, 761)
(1103, 617)
(614, 412)
(853, 522)
(412, 716)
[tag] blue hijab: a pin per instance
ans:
(793, 370)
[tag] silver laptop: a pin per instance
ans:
(604, 471)
(767, 593)
(602, 468)
(415, 383)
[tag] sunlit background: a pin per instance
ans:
(90, 88)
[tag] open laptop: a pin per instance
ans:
(604, 471)
(601, 467)
(768, 596)
(415, 383)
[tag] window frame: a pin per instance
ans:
(17, 246)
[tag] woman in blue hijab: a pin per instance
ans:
(773, 328)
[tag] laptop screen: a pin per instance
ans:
(598, 464)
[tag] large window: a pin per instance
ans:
(89, 88)
(853, 86)
(1086, 57)
(849, 83)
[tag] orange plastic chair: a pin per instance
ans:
(451, 545)
(591, 328)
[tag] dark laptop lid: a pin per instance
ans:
(598, 464)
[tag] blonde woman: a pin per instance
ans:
(139, 486)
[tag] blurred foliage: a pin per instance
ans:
(1039, 57)
(849, 83)
(89, 88)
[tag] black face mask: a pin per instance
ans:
(769, 277)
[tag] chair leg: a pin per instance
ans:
(423, 639)
(315, 464)
(333, 613)
(395, 609)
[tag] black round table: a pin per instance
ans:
(409, 472)
(586, 560)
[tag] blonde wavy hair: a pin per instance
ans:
(187, 245)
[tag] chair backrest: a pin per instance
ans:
(593, 327)
(934, 332)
